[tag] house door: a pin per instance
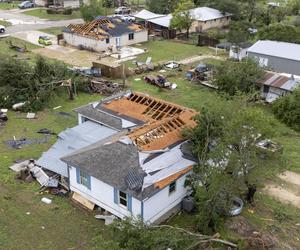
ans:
(118, 42)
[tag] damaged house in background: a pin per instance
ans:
(126, 156)
(105, 33)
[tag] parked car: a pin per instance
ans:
(26, 5)
(45, 40)
(122, 10)
(2, 29)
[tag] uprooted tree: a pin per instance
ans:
(135, 235)
(22, 82)
(224, 141)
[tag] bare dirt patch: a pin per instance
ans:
(288, 190)
(291, 177)
(81, 58)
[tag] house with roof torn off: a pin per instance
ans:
(128, 156)
(105, 33)
(275, 85)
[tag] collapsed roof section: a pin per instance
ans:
(143, 158)
(104, 27)
(163, 121)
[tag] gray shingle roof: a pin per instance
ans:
(95, 114)
(110, 162)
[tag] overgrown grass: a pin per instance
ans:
(5, 23)
(53, 31)
(42, 13)
(7, 51)
(166, 50)
(56, 226)
(8, 6)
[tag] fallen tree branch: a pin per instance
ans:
(204, 238)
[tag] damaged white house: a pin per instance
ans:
(105, 33)
(137, 162)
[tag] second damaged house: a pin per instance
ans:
(139, 166)
(105, 33)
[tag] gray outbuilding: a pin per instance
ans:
(277, 56)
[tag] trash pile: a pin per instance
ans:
(104, 87)
(85, 71)
(17, 144)
(3, 116)
(28, 171)
(160, 81)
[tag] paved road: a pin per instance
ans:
(21, 22)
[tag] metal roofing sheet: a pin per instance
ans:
(205, 14)
(70, 140)
(146, 15)
(164, 21)
(278, 49)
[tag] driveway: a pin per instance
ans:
(21, 22)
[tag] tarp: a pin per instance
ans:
(70, 140)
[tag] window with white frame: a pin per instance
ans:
(83, 178)
(123, 199)
(172, 187)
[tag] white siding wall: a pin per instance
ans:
(102, 195)
(159, 204)
(99, 45)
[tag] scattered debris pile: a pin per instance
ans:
(17, 144)
(28, 171)
(202, 74)
(3, 116)
(104, 87)
(17, 48)
(160, 81)
(85, 71)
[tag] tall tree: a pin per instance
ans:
(232, 77)
(93, 9)
(161, 7)
(182, 19)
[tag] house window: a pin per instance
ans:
(172, 187)
(83, 180)
(123, 198)
(107, 40)
(131, 36)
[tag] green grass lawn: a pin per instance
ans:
(167, 50)
(42, 13)
(53, 31)
(8, 6)
(5, 23)
(65, 227)
(5, 48)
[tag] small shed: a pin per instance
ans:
(111, 68)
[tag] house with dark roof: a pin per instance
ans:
(134, 161)
(105, 33)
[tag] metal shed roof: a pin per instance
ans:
(146, 15)
(164, 21)
(277, 49)
(70, 140)
(205, 14)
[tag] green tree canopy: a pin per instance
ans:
(280, 32)
(93, 9)
(182, 19)
(287, 109)
(232, 77)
